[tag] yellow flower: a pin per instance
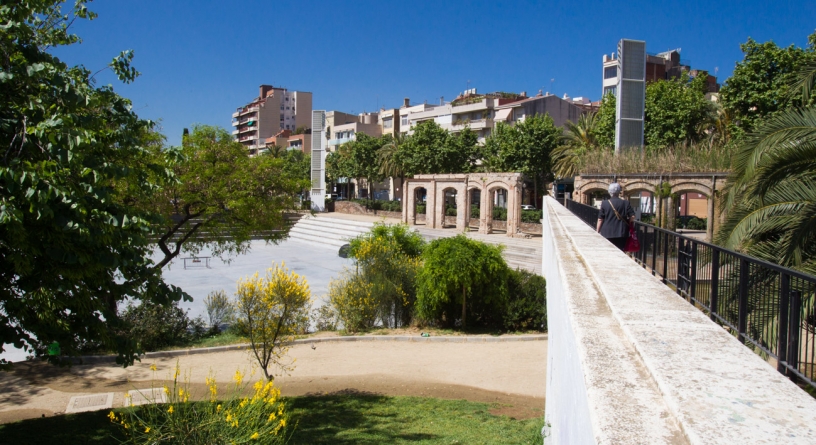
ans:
(181, 392)
(147, 429)
(255, 436)
(283, 423)
(166, 390)
(218, 408)
(238, 377)
(170, 410)
(271, 417)
(112, 416)
(153, 367)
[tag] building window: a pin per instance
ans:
(610, 72)
(388, 123)
(610, 90)
(405, 121)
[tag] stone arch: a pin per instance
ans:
(690, 187)
(582, 191)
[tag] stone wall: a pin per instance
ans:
(357, 209)
(629, 361)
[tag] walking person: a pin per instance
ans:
(615, 217)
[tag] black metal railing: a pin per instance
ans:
(769, 308)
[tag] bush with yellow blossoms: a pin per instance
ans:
(270, 312)
(245, 414)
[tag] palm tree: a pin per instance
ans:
(578, 140)
(771, 195)
(388, 159)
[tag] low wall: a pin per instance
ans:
(533, 229)
(357, 209)
(629, 361)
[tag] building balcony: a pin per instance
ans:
(483, 104)
(247, 110)
(234, 115)
(477, 124)
(248, 130)
(234, 132)
(341, 141)
(244, 120)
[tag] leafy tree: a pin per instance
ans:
(271, 311)
(578, 140)
(364, 158)
(454, 267)
(770, 197)
(387, 258)
(524, 148)
(761, 83)
(223, 197)
(431, 150)
(676, 111)
(219, 308)
(157, 326)
(340, 165)
(71, 249)
(388, 159)
(605, 122)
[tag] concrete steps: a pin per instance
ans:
(329, 232)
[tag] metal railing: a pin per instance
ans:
(769, 308)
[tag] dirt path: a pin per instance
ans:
(509, 373)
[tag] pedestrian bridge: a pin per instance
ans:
(629, 361)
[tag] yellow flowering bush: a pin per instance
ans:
(382, 287)
(271, 311)
(246, 415)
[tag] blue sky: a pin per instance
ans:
(201, 59)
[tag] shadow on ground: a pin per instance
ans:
(348, 417)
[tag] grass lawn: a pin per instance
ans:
(336, 419)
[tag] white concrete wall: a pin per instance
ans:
(629, 361)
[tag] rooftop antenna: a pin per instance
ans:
(551, 85)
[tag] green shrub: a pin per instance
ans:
(157, 326)
(696, 224)
(325, 317)
(450, 211)
(420, 209)
(458, 273)
(499, 214)
(526, 302)
(475, 212)
(350, 295)
(531, 216)
(219, 308)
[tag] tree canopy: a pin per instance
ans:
(677, 111)
(761, 83)
(70, 248)
(432, 150)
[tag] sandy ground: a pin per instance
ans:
(509, 373)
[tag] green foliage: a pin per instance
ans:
(219, 308)
(432, 150)
(526, 306)
(325, 318)
(676, 111)
(531, 216)
(223, 197)
(453, 268)
(271, 311)
(72, 247)
(350, 295)
(387, 260)
(388, 206)
(364, 157)
(157, 326)
(500, 213)
(450, 211)
(763, 83)
(238, 418)
(605, 122)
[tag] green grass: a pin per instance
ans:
(335, 419)
(221, 339)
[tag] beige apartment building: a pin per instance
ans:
(274, 110)
(389, 121)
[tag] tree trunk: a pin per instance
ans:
(464, 302)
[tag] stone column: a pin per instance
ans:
(486, 212)
(430, 204)
(440, 207)
(670, 214)
(710, 219)
(409, 206)
(462, 208)
(512, 211)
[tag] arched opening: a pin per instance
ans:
(691, 211)
(595, 196)
(420, 205)
(475, 200)
(449, 207)
(644, 203)
(496, 213)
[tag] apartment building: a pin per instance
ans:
(665, 65)
(274, 110)
(366, 123)
(290, 141)
(560, 109)
(389, 121)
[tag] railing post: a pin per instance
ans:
(742, 315)
(794, 329)
(715, 284)
(693, 273)
(784, 306)
(654, 250)
(665, 257)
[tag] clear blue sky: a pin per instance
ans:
(201, 59)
